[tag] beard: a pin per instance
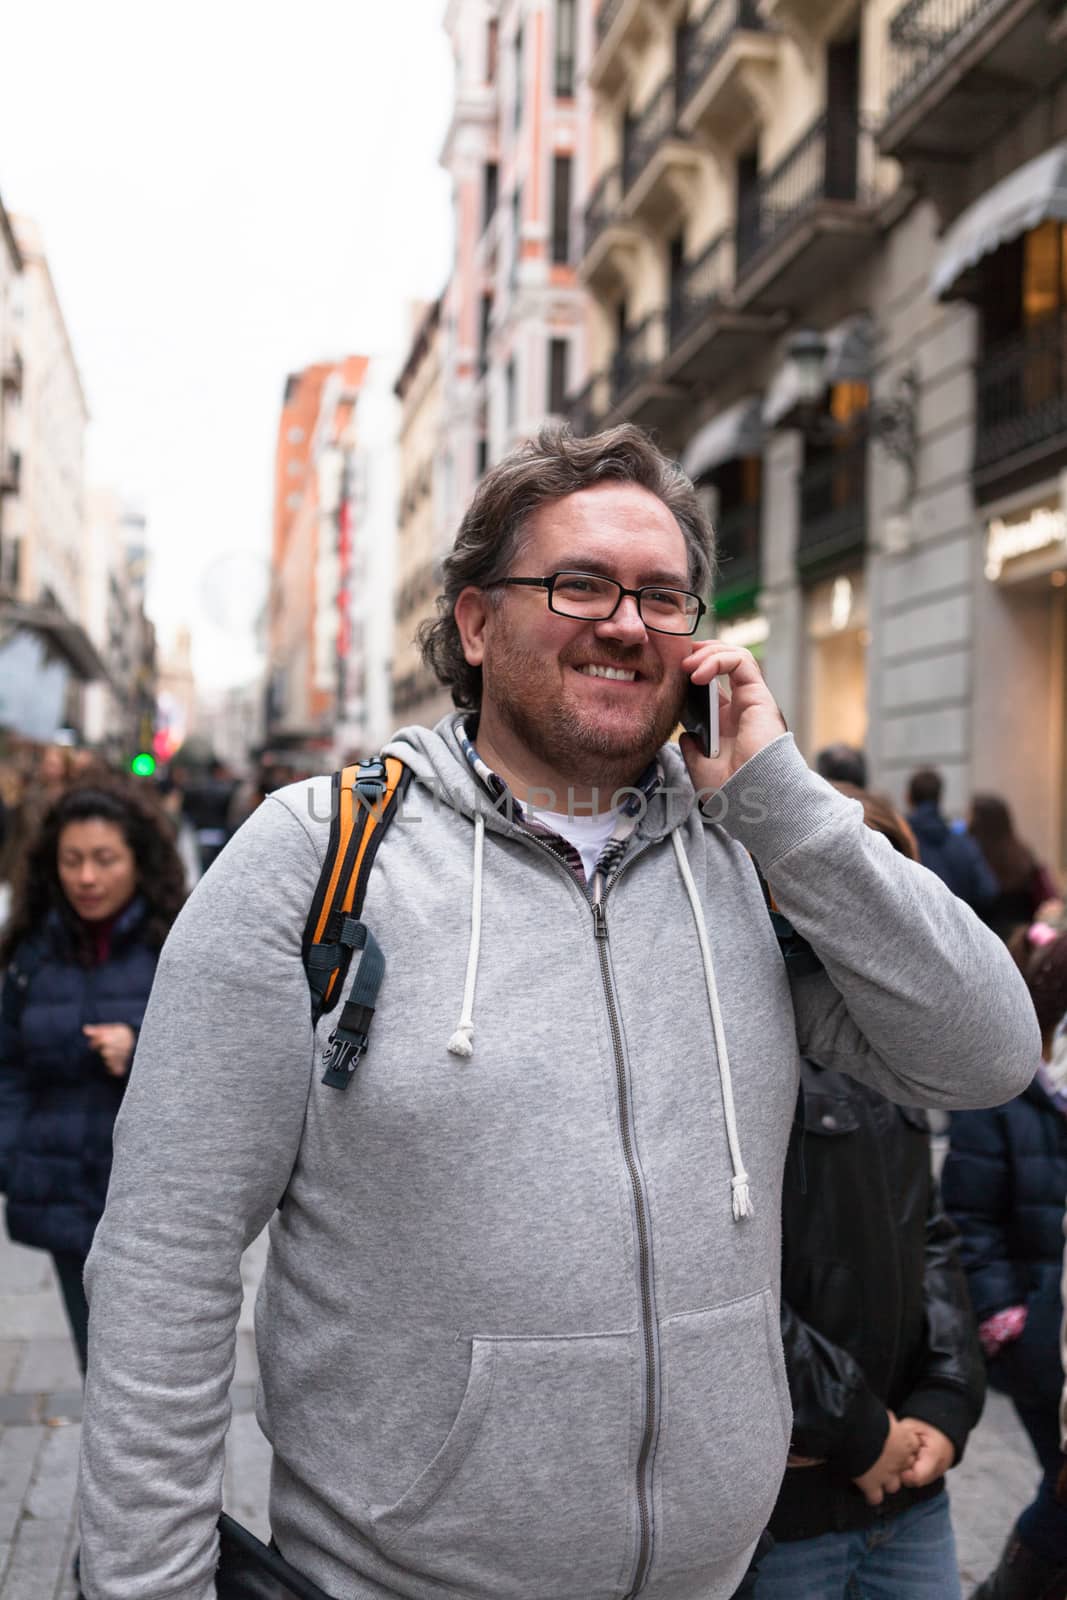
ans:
(594, 752)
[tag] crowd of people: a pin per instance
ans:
(457, 1396)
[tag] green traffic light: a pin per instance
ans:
(143, 765)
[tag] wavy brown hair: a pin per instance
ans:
(147, 832)
(548, 468)
(1012, 862)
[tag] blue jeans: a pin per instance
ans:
(909, 1557)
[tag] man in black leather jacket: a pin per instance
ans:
(885, 1369)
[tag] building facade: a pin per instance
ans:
(11, 380)
(513, 313)
(309, 625)
(119, 708)
(421, 541)
(767, 237)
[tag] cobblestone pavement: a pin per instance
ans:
(40, 1412)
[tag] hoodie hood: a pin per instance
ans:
(435, 757)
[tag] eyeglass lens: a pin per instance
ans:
(581, 594)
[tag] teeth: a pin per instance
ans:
(609, 672)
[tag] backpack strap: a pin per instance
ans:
(365, 800)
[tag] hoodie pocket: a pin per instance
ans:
(726, 1427)
(532, 1494)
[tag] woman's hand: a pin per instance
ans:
(113, 1042)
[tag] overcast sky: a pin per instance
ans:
(227, 192)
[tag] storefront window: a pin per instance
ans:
(1044, 272)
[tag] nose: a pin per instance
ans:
(625, 626)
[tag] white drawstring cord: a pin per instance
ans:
(739, 1184)
(462, 1041)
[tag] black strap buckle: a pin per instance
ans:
(341, 1057)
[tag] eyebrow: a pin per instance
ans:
(654, 575)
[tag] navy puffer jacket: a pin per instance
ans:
(58, 1102)
(1003, 1184)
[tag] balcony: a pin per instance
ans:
(708, 335)
(1021, 432)
(637, 391)
(610, 243)
(833, 505)
(812, 218)
(660, 165)
(737, 547)
(730, 66)
(959, 70)
(623, 29)
(586, 410)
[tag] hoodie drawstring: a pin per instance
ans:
(462, 1041)
(739, 1184)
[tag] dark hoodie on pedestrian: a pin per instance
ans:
(955, 857)
(518, 1329)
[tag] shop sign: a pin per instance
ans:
(1043, 530)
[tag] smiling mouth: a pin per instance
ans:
(611, 674)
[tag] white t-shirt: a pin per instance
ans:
(588, 835)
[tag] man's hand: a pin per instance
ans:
(900, 1451)
(113, 1042)
(936, 1454)
(748, 720)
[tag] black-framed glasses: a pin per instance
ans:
(590, 598)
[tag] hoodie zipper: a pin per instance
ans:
(639, 1199)
(639, 1194)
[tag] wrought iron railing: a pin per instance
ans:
(833, 499)
(1022, 393)
(924, 35)
(737, 549)
(609, 10)
(643, 136)
(602, 207)
(710, 35)
(637, 353)
(700, 286)
(584, 410)
(834, 160)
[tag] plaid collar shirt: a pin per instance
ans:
(630, 811)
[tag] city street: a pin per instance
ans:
(40, 1409)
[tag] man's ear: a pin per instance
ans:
(471, 612)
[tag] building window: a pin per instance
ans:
(561, 209)
(482, 457)
(516, 232)
(566, 32)
(296, 435)
(492, 49)
(511, 393)
(294, 468)
(483, 332)
(490, 188)
(518, 77)
(558, 351)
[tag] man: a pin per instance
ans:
(518, 1332)
(955, 857)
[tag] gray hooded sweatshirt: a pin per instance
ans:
(518, 1336)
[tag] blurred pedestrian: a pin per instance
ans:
(206, 804)
(96, 897)
(1023, 883)
(1005, 1180)
(842, 763)
(885, 1370)
(955, 857)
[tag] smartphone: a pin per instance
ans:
(700, 715)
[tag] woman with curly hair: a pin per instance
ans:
(100, 886)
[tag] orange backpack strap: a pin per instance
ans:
(364, 801)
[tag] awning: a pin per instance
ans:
(1034, 193)
(67, 637)
(737, 431)
(849, 359)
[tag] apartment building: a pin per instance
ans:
(512, 319)
(118, 712)
(10, 384)
(794, 242)
(421, 537)
(309, 636)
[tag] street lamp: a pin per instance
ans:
(892, 421)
